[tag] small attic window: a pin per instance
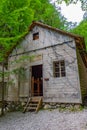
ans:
(36, 36)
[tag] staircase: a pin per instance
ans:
(33, 104)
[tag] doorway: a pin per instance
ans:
(37, 81)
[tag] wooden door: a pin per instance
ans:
(36, 81)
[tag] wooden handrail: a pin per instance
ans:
(26, 105)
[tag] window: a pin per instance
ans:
(59, 68)
(36, 36)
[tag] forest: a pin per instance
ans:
(16, 17)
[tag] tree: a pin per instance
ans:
(16, 16)
(47, 12)
(85, 16)
(81, 29)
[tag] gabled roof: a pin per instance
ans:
(52, 28)
(76, 37)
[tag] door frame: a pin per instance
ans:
(40, 77)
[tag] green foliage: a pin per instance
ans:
(20, 72)
(47, 13)
(17, 15)
(15, 18)
(81, 30)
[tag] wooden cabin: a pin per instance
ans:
(49, 63)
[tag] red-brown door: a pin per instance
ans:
(36, 81)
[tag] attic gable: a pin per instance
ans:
(76, 37)
(80, 43)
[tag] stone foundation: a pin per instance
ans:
(14, 106)
(62, 106)
(18, 106)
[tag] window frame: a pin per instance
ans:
(59, 69)
(36, 36)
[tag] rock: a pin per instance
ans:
(23, 103)
(53, 104)
(43, 104)
(47, 106)
(54, 107)
(71, 107)
(63, 105)
(67, 105)
(58, 105)
(77, 107)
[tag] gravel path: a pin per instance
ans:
(45, 120)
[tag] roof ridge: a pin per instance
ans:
(53, 28)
